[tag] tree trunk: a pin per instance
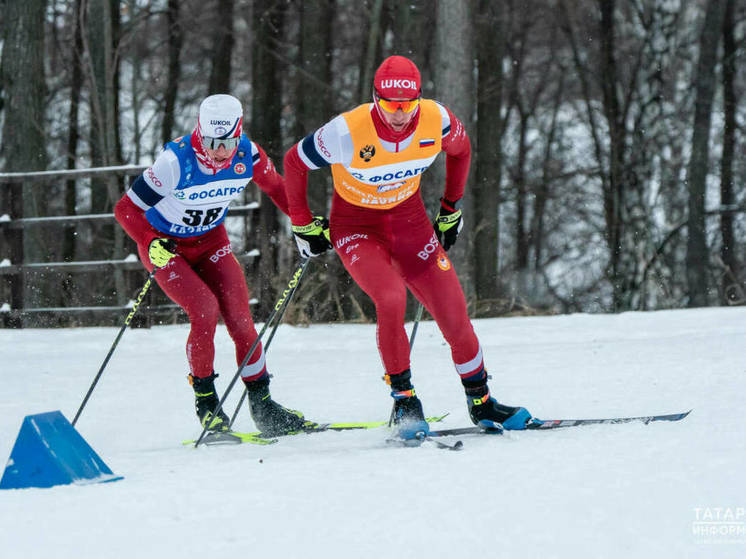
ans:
(454, 77)
(371, 50)
(521, 235)
(614, 196)
(220, 73)
(543, 190)
(73, 136)
(489, 153)
(100, 46)
(266, 115)
(727, 198)
(175, 41)
(704, 86)
(314, 96)
(101, 43)
(314, 92)
(24, 137)
(413, 27)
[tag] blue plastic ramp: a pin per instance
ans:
(48, 452)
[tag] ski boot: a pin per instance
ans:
(407, 416)
(205, 401)
(271, 418)
(486, 412)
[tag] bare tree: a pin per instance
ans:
(23, 141)
(490, 128)
(727, 198)
(697, 259)
(100, 43)
(413, 28)
(454, 84)
(73, 136)
(175, 41)
(220, 72)
(371, 50)
(528, 83)
(314, 98)
(24, 135)
(589, 123)
(266, 114)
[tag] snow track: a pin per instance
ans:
(622, 491)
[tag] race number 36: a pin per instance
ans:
(200, 217)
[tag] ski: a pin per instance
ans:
(216, 438)
(561, 423)
(258, 438)
(464, 431)
(423, 438)
(546, 424)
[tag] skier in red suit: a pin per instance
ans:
(380, 229)
(174, 212)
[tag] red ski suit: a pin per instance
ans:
(387, 244)
(205, 279)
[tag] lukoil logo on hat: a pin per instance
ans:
(397, 78)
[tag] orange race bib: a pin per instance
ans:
(380, 179)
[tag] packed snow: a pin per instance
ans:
(663, 490)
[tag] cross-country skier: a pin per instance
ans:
(174, 212)
(381, 231)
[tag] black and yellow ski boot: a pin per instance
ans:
(205, 401)
(271, 418)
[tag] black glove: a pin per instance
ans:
(448, 222)
(161, 251)
(312, 239)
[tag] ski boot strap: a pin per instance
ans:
(401, 385)
(478, 400)
(204, 386)
(475, 386)
(258, 389)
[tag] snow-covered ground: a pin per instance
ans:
(601, 491)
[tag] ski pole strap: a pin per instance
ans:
(446, 221)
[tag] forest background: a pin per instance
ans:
(608, 138)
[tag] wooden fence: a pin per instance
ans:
(17, 273)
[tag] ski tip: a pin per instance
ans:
(682, 415)
(230, 438)
(458, 445)
(407, 443)
(220, 438)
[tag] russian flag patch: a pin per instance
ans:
(427, 142)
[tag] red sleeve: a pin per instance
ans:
(133, 221)
(458, 159)
(296, 184)
(270, 181)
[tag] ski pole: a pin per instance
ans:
(127, 321)
(278, 311)
(417, 317)
(266, 348)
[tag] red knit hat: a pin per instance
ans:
(397, 78)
